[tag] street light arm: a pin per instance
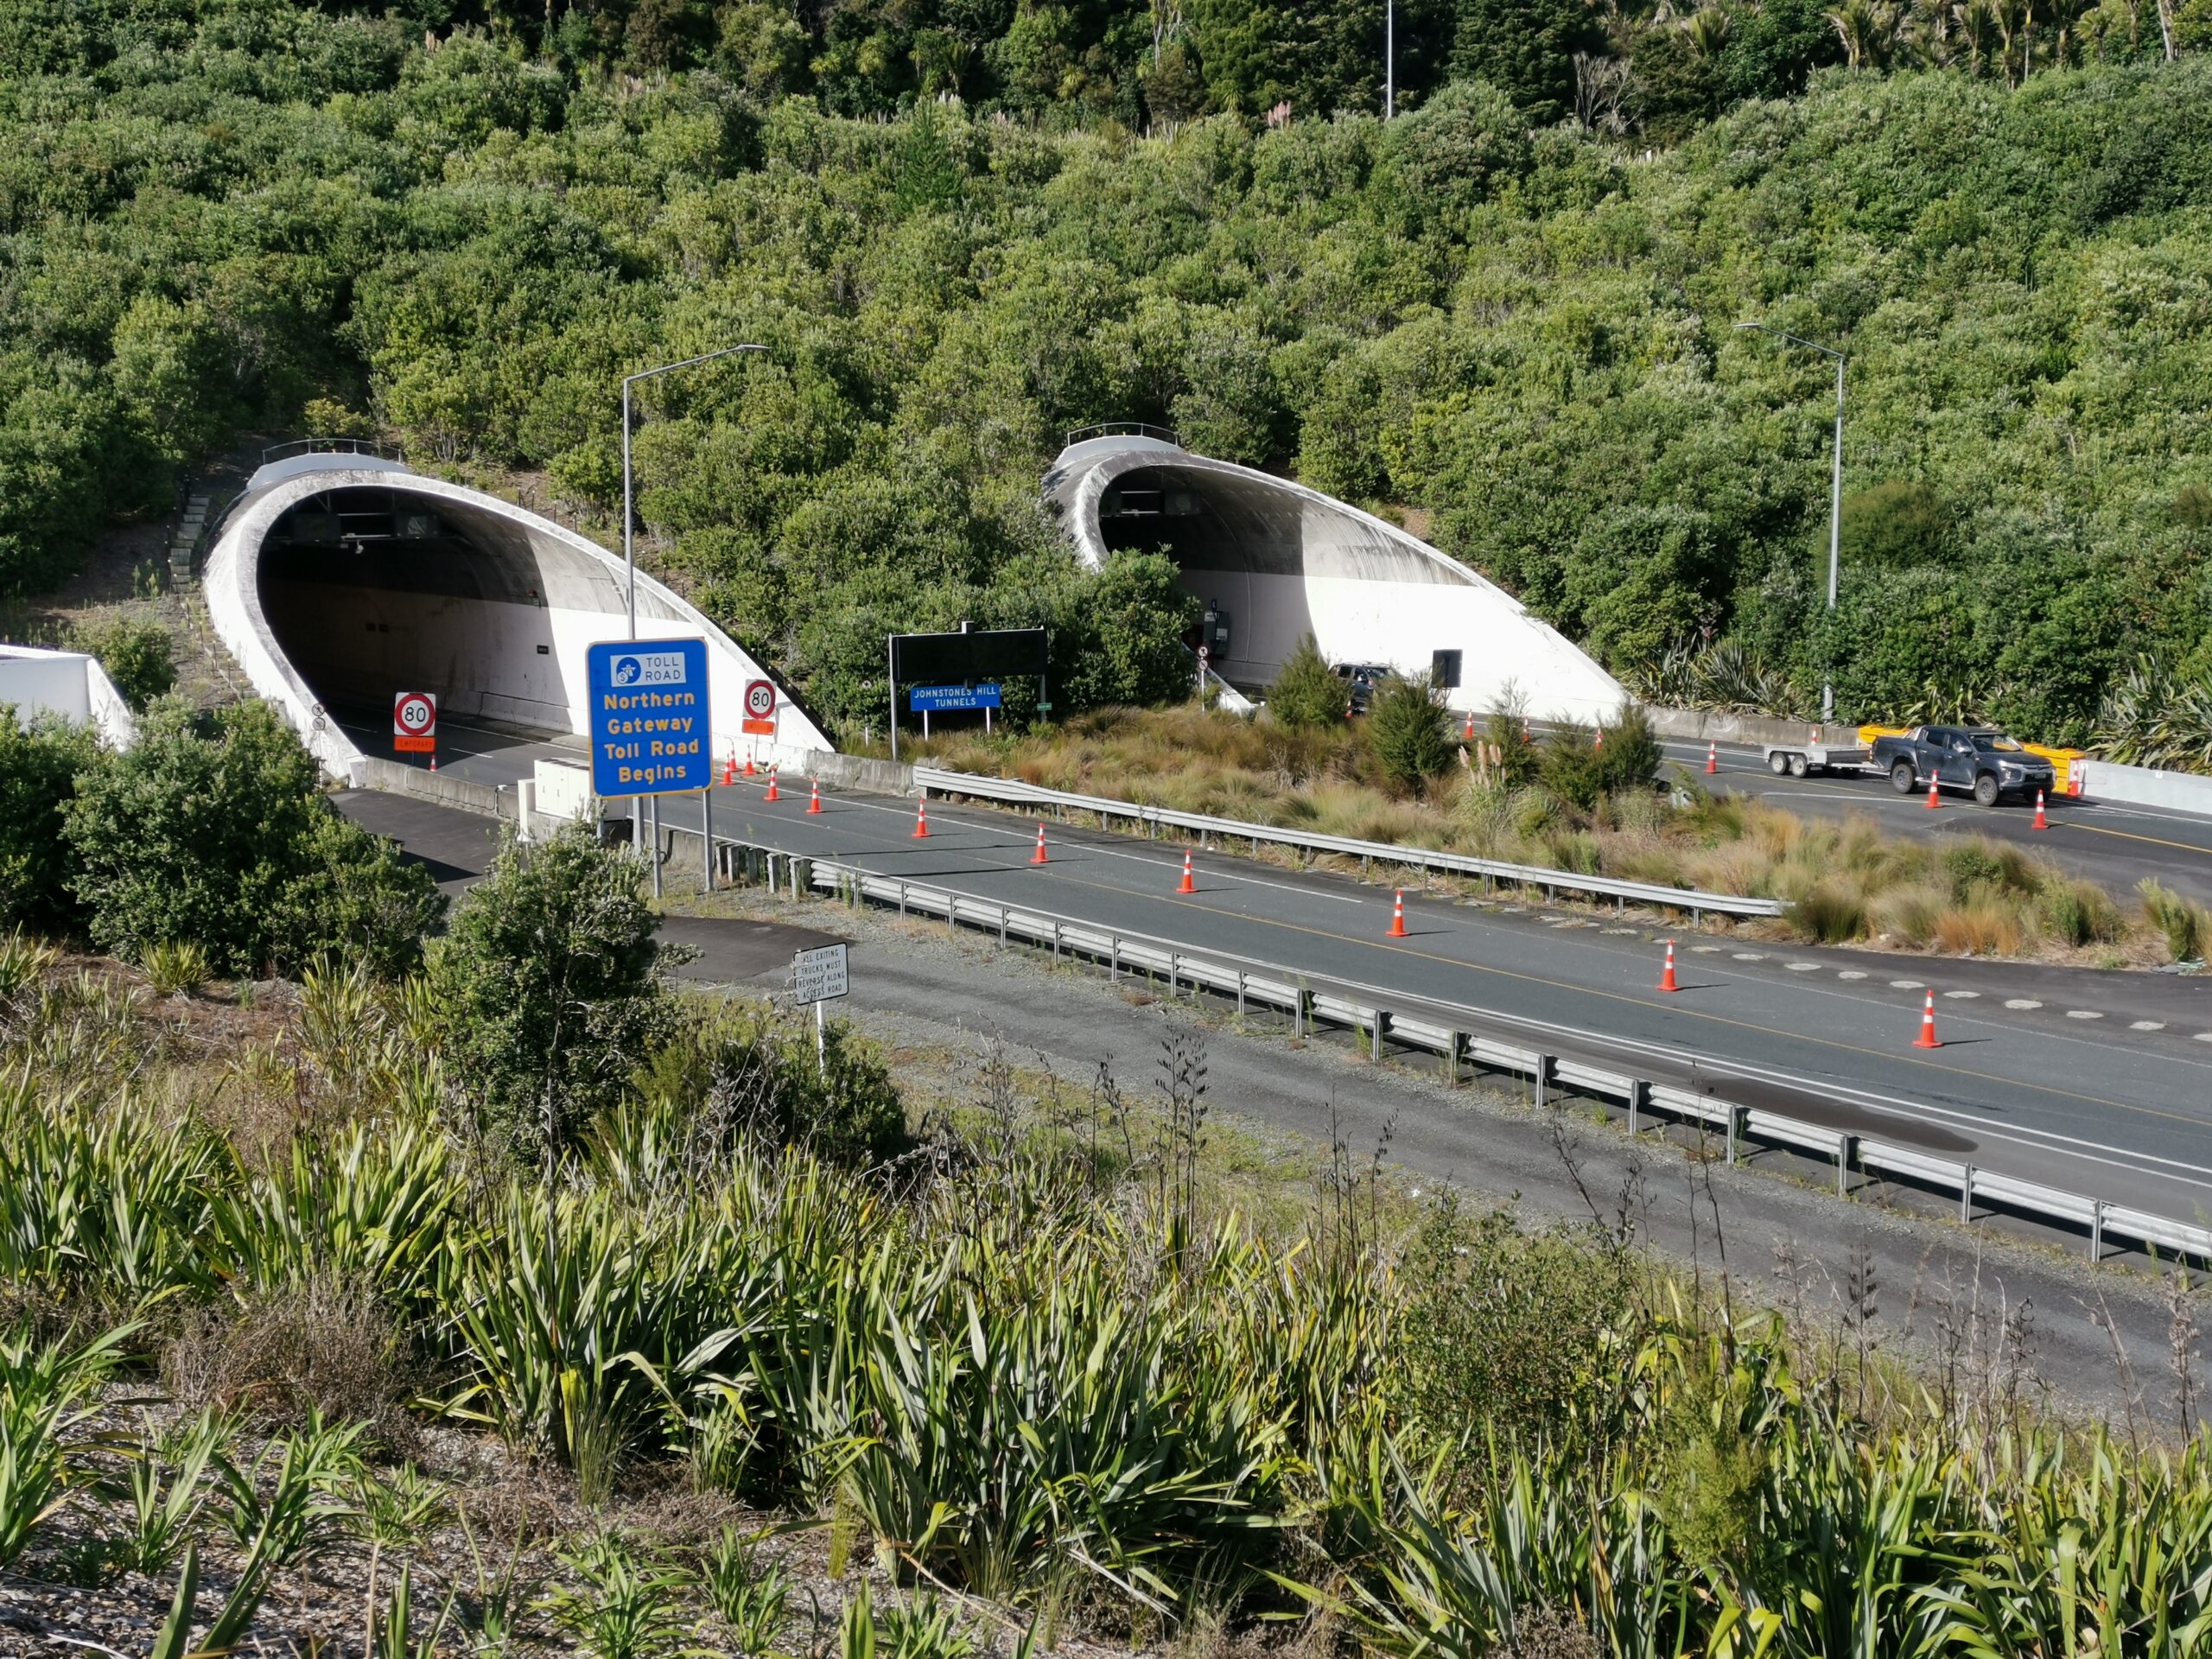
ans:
(704, 357)
(1797, 340)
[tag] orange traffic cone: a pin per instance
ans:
(1525, 737)
(1038, 857)
(1398, 915)
(772, 795)
(1468, 734)
(1711, 758)
(1186, 884)
(1667, 974)
(433, 763)
(921, 822)
(729, 769)
(1933, 802)
(748, 764)
(2041, 822)
(814, 800)
(1927, 1038)
(1600, 743)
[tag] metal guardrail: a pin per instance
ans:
(331, 447)
(1468, 1038)
(1122, 428)
(929, 780)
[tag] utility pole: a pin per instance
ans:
(1835, 485)
(630, 578)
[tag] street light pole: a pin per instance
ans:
(1835, 483)
(1390, 58)
(630, 584)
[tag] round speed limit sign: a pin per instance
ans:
(415, 714)
(759, 706)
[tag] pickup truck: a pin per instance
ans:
(1987, 763)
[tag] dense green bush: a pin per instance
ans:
(731, 1070)
(213, 212)
(1410, 729)
(550, 989)
(1571, 763)
(1632, 754)
(1304, 691)
(38, 775)
(137, 656)
(211, 831)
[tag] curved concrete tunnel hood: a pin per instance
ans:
(1284, 560)
(487, 605)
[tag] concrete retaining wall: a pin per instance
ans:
(368, 772)
(2181, 791)
(856, 771)
(1696, 725)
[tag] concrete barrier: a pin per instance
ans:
(2179, 791)
(369, 772)
(1700, 726)
(857, 771)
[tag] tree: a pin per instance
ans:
(1124, 642)
(551, 990)
(1304, 691)
(1526, 49)
(38, 775)
(1572, 765)
(1449, 156)
(1410, 729)
(138, 658)
(1632, 752)
(210, 830)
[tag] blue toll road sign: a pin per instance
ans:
(937, 699)
(648, 716)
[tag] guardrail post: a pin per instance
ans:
(1453, 1040)
(1845, 1147)
(1240, 992)
(1638, 1092)
(1301, 1011)
(2096, 1231)
(1544, 1064)
(902, 901)
(1001, 923)
(1056, 941)
(1378, 1030)
(1965, 1193)
(1113, 955)
(1734, 1112)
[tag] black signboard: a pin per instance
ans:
(962, 659)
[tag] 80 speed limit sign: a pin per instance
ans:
(760, 708)
(415, 722)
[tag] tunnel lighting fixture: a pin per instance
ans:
(629, 557)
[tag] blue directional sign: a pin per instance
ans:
(649, 716)
(937, 699)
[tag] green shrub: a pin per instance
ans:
(1829, 914)
(137, 656)
(1632, 755)
(1304, 691)
(210, 830)
(2187, 927)
(551, 989)
(1409, 730)
(739, 1069)
(176, 968)
(2080, 913)
(1571, 766)
(38, 775)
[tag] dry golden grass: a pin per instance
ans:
(1847, 881)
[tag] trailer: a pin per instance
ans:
(1815, 754)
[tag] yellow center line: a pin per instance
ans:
(2125, 834)
(1615, 996)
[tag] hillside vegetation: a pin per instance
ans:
(220, 216)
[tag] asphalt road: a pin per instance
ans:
(2072, 1095)
(2117, 846)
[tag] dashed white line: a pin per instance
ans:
(1961, 996)
(2147, 1025)
(2204, 1036)
(1850, 973)
(1748, 955)
(1907, 985)
(1803, 967)
(1706, 950)
(2021, 1003)
(2083, 1013)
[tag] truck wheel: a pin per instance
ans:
(1797, 766)
(1777, 763)
(1901, 777)
(1985, 788)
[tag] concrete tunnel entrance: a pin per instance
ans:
(1277, 561)
(343, 580)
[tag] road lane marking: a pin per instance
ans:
(2128, 835)
(2021, 1004)
(1801, 1085)
(2083, 1013)
(2147, 1025)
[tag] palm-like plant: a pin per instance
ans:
(1868, 31)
